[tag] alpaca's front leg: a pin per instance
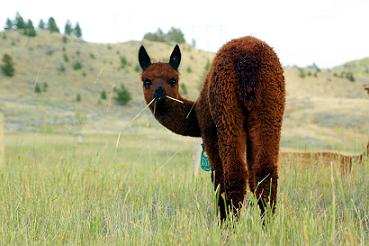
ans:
(211, 147)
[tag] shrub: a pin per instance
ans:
(66, 58)
(103, 95)
(37, 88)
(350, 76)
(137, 68)
(122, 95)
(183, 89)
(77, 65)
(207, 66)
(78, 97)
(50, 52)
(45, 87)
(123, 61)
(189, 69)
(301, 72)
(61, 68)
(92, 56)
(8, 66)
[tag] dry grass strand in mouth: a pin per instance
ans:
(155, 108)
(174, 99)
(193, 105)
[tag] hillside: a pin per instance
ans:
(324, 109)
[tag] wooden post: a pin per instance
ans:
(2, 143)
(197, 157)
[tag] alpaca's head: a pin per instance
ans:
(160, 79)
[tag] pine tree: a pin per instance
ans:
(175, 35)
(8, 66)
(51, 25)
(68, 28)
(19, 22)
(78, 31)
(30, 29)
(8, 25)
(41, 25)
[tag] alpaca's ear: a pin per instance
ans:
(143, 58)
(175, 58)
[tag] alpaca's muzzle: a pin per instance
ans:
(160, 93)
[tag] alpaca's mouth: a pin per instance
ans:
(160, 94)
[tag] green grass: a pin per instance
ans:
(56, 191)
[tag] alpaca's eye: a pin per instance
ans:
(147, 83)
(172, 82)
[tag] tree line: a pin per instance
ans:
(28, 29)
(173, 35)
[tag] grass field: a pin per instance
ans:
(56, 191)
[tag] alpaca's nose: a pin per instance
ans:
(160, 93)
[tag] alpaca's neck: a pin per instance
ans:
(177, 117)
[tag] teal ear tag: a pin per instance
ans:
(205, 164)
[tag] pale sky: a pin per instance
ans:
(327, 32)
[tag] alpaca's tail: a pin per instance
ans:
(247, 68)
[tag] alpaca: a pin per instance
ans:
(238, 115)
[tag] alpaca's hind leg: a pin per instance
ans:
(212, 150)
(262, 160)
(266, 188)
(232, 152)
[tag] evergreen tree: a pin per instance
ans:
(158, 36)
(41, 25)
(78, 31)
(30, 29)
(19, 22)
(8, 66)
(175, 35)
(52, 26)
(8, 25)
(68, 28)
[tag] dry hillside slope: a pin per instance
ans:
(324, 108)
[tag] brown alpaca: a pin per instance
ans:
(238, 115)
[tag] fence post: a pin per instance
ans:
(2, 143)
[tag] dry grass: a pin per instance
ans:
(56, 191)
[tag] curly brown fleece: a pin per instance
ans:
(238, 115)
